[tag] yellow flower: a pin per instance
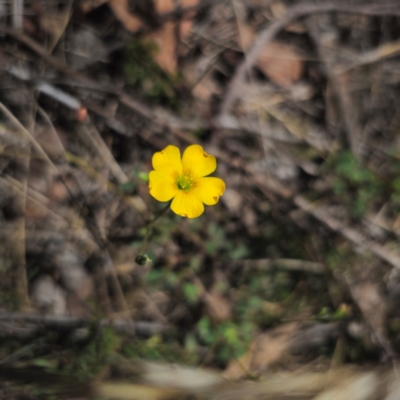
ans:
(185, 180)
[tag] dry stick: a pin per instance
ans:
(94, 174)
(65, 322)
(27, 135)
(343, 102)
(288, 264)
(354, 236)
(18, 240)
(66, 219)
(92, 138)
(100, 218)
(268, 34)
(17, 13)
(42, 52)
(382, 52)
(267, 145)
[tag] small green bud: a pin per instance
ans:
(144, 176)
(142, 259)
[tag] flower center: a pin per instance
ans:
(184, 182)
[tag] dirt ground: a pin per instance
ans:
(287, 286)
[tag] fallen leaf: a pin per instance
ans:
(166, 36)
(246, 35)
(281, 64)
(278, 61)
(267, 349)
(276, 344)
(165, 39)
(372, 304)
(89, 5)
(61, 189)
(185, 24)
(121, 11)
(218, 308)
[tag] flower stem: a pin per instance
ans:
(150, 227)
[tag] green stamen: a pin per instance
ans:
(184, 182)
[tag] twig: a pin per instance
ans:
(386, 50)
(18, 240)
(133, 201)
(42, 52)
(92, 138)
(282, 263)
(354, 236)
(59, 95)
(25, 133)
(17, 13)
(274, 28)
(141, 328)
(345, 111)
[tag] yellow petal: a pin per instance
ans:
(187, 204)
(168, 161)
(209, 189)
(162, 187)
(197, 163)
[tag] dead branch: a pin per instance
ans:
(283, 263)
(354, 236)
(343, 102)
(140, 328)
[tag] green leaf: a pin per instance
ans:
(205, 332)
(128, 187)
(191, 292)
(230, 335)
(172, 279)
(239, 251)
(154, 275)
(195, 263)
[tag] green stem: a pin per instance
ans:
(150, 227)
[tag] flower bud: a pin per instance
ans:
(142, 259)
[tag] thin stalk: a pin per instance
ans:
(150, 227)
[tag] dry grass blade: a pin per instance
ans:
(94, 141)
(387, 50)
(354, 236)
(345, 110)
(283, 263)
(27, 135)
(134, 201)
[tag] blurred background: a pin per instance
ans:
(288, 288)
